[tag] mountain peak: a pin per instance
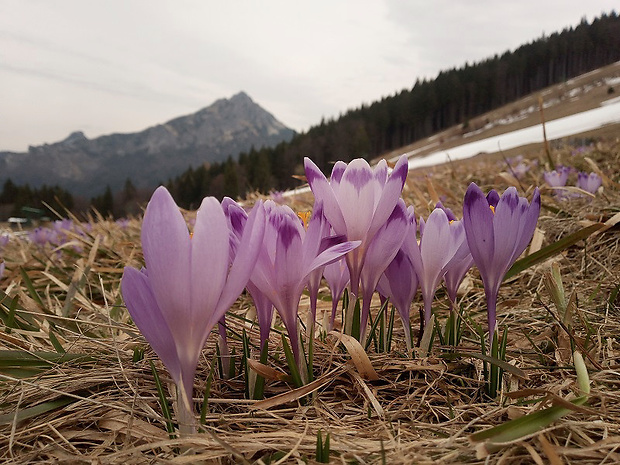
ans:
(75, 136)
(84, 166)
(241, 96)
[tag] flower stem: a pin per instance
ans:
(491, 313)
(184, 413)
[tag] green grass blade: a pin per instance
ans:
(163, 402)
(525, 425)
(56, 343)
(488, 359)
(259, 386)
(326, 449)
(21, 358)
(35, 411)
(374, 325)
(319, 447)
(551, 250)
(31, 290)
(205, 401)
(292, 365)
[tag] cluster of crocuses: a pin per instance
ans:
(361, 235)
(58, 233)
(589, 182)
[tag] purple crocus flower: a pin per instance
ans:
(278, 197)
(400, 281)
(188, 283)
(357, 201)
(337, 276)
(520, 170)
(589, 182)
(317, 232)
(440, 239)
(4, 240)
(498, 230)
(459, 265)
(381, 251)
(237, 218)
(122, 223)
(42, 236)
(287, 258)
(557, 177)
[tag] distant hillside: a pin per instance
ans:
(85, 167)
(459, 96)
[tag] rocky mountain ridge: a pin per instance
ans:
(86, 166)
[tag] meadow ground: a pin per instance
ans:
(77, 385)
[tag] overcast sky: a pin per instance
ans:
(123, 65)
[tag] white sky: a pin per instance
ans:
(123, 65)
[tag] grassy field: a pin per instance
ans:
(78, 387)
(79, 384)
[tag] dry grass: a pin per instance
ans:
(420, 411)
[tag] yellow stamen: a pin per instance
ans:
(492, 208)
(305, 217)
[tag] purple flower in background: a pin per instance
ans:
(498, 230)
(440, 239)
(278, 197)
(188, 283)
(400, 281)
(357, 201)
(42, 236)
(4, 240)
(287, 258)
(589, 182)
(381, 251)
(557, 177)
(122, 223)
(517, 166)
(520, 170)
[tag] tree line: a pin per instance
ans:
(54, 201)
(453, 97)
(430, 106)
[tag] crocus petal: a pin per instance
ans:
(356, 197)
(492, 197)
(236, 215)
(384, 246)
(209, 257)
(289, 259)
(264, 311)
(337, 276)
(381, 251)
(318, 228)
(149, 319)
(457, 268)
(166, 249)
(478, 222)
(245, 259)
(336, 176)
(324, 193)
(403, 283)
(506, 224)
(331, 254)
(436, 245)
(527, 225)
(389, 196)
